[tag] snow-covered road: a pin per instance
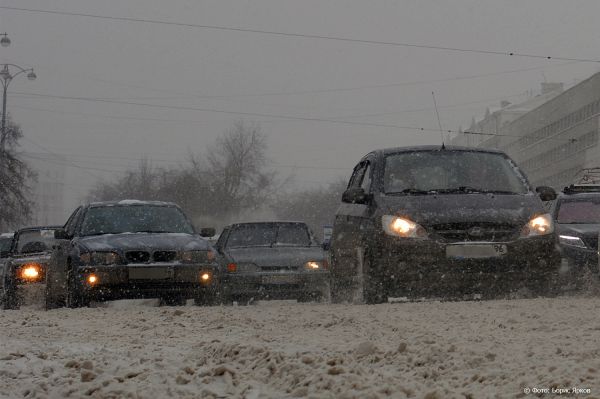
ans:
(276, 350)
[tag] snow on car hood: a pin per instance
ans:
(140, 241)
(453, 208)
(276, 256)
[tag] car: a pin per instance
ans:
(272, 260)
(5, 244)
(131, 249)
(441, 222)
(576, 213)
(27, 262)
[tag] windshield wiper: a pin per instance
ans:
(413, 191)
(472, 190)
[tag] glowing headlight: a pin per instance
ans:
(538, 226)
(92, 279)
(572, 241)
(99, 258)
(314, 265)
(402, 227)
(196, 256)
(30, 271)
(205, 277)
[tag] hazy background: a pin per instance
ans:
(252, 73)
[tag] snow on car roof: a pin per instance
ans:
(438, 148)
(126, 202)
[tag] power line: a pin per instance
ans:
(299, 35)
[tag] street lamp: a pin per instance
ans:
(6, 76)
(5, 41)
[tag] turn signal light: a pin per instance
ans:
(205, 277)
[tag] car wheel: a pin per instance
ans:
(10, 296)
(374, 290)
(52, 301)
(341, 285)
(207, 298)
(75, 298)
(588, 281)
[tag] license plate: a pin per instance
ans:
(150, 273)
(475, 251)
(283, 279)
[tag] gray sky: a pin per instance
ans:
(270, 75)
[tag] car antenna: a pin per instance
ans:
(438, 119)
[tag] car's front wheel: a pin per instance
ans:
(75, 298)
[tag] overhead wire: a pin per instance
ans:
(299, 35)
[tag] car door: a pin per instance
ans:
(350, 220)
(58, 263)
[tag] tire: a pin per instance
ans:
(362, 287)
(10, 295)
(51, 300)
(206, 299)
(75, 298)
(374, 289)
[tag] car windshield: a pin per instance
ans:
(262, 234)
(32, 241)
(423, 172)
(134, 219)
(582, 211)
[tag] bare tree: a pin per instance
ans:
(237, 169)
(141, 183)
(15, 176)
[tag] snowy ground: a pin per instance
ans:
(282, 349)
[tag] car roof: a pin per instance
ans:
(394, 150)
(128, 202)
(269, 222)
(35, 228)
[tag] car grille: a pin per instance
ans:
(137, 256)
(458, 232)
(164, 256)
(278, 268)
(591, 241)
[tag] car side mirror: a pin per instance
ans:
(356, 195)
(326, 245)
(207, 232)
(61, 234)
(546, 193)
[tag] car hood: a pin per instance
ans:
(454, 208)
(276, 256)
(587, 230)
(144, 241)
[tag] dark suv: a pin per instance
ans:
(440, 222)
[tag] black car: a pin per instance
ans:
(272, 260)
(130, 249)
(437, 221)
(27, 262)
(577, 216)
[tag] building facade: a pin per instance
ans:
(554, 136)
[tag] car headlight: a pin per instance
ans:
(571, 241)
(99, 258)
(315, 265)
(402, 227)
(538, 226)
(30, 272)
(196, 256)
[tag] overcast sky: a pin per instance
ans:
(272, 75)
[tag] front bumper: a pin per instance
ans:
(278, 285)
(147, 281)
(422, 267)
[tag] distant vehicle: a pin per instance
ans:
(27, 262)
(445, 222)
(130, 249)
(272, 260)
(577, 216)
(5, 244)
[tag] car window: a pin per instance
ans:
(266, 234)
(71, 224)
(450, 170)
(582, 211)
(31, 241)
(293, 234)
(134, 219)
(357, 175)
(366, 180)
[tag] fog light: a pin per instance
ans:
(92, 279)
(205, 277)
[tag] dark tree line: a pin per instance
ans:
(231, 180)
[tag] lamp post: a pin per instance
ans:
(6, 76)
(5, 41)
